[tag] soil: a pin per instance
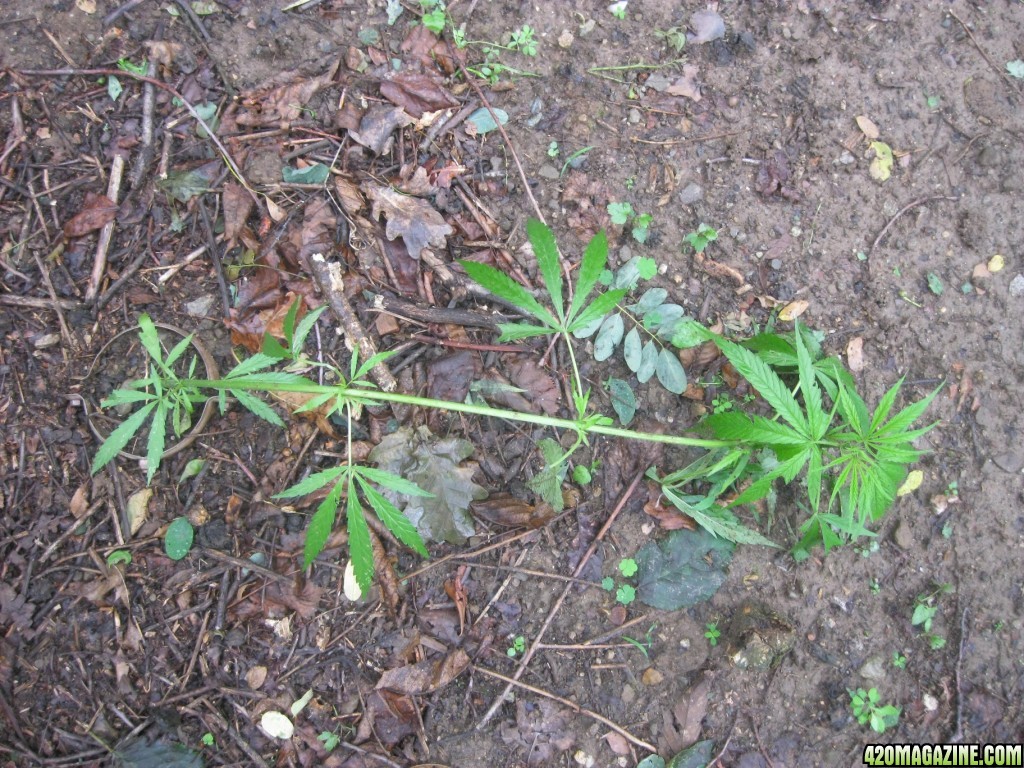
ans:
(760, 134)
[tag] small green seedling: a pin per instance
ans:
(330, 740)
(607, 583)
(119, 556)
(524, 40)
(925, 609)
(899, 660)
(625, 594)
(618, 9)
(721, 404)
(674, 38)
(644, 645)
(627, 567)
(553, 150)
(712, 632)
(208, 739)
(868, 710)
(875, 586)
(569, 160)
(517, 647)
(622, 214)
(701, 237)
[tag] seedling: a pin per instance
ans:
(868, 710)
(625, 594)
(553, 150)
(899, 660)
(712, 632)
(518, 646)
(622, 214)
(568, 161)
(721, 403)
(618, 9)
(119, 556)
(208, 739)
(925, 609)
(674, 37)
(701, 237)
(330, 740)
(645, 645)
(627, 567)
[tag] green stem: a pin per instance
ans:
(374, 395)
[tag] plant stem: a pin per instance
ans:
(359, 394)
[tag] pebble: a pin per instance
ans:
(582, 758)
(634, 116)
(565, 40)
(776, 263)
(903, 536)
(1009, 461)
(847, 159)
(874, 669)
(1017, 287)
(200, 307)
(690, 194)
(548, 171)
(651, 676)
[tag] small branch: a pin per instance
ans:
(1002, 73)
(328, 277)
(904, 209)
(571, 705)
(99, 265)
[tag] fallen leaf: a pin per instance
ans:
(456, 590)
(86, 6)
(388, 716)
(793, 310)
(506, 510)
(669, 518)
(912, 483)
(282, 99)
(80, 501)
(867, 127)
(881, 164)
(996, 263)
(687, 84)
(617, 743)
(97, 211)
(434, 464)
(277, 725)
(683, 569)
(377, 127)
(416, 92)
(542, 727)
(426, 676)
(540, 386)
(351, 587)
(163, 52)
(411, 218)
(303, 599)
(855, 354)
(138, 509)
(773, 177)
(255, 677)
(449, 376)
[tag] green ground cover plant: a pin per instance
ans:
(810, 424)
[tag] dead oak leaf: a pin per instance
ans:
(282, 99)
(686, 85)
(411, 218)
(96, 213)
(426, 676)
(416, 93)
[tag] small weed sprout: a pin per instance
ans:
(622, 214)
(517, 646)
(868, 709)
(701, 237)
(553, 150)
(712, 632)
(618, 9)
(925, 609)
(330, 740)
(899, 660)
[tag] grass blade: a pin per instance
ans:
(546, 251)
(120, 437)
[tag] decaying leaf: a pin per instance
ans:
(434, 464)
(707, 25)
(508, 511)
(411, 218)
(687, 84)
(96, 213)
(912, 483)
(867, 127)
(377, 127)
(539, 385)
(542, 727)
(282, 99)
(683, 569)
(793, 310)
(855, 354)
(416, 92)
(138, 509)
(426, 676)
(881, 164)
(669, 518)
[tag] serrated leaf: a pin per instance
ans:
(359, 546)
(321, 524)
(817, 418)
(751, 428)
(685, 568)
(312, 483)
(648, 362)
(595, 256)
(155, 443)
(178, 538)
(623, 400)
(370, 363)
(620, 213)
(597, 309)
(717, 521)
(688, 333)
(120, 437)
(178, 350)
(302, 330)
(391, 481)
(396, 522)
(504, 287)
(257, 406)
(251, 365)
(670, 371)
(546, 251)
(122, 396)
(632, 349)
(611, 333)
(516, 331)
(548, 482)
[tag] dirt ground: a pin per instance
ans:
(763, 134)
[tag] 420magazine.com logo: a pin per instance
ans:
(944, 754)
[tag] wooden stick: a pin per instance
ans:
(99, 264)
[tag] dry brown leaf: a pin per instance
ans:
(687, 84)
(302, 598)
(377, 127)
(793, 310)
(456, 590)
(255, 677)
(617, 743)
(425, 677)
(351, 199)
(412, 219)
(282, 99)
(506, 510)
(541, 387)
(97, 211)
(163, 52)
(855, 354)
(416, 92)
(867, 127)
(238, 205)
(449, 376)
(669, 518)
(80, 501)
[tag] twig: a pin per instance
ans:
(328, 277)
(218, 268)
(904, 209)
(37, 303)
(958, 734)
(54, 303)
(535, 644)
(145, 156)
(175, 269)
(571, 705)
(1002, 73)
(99, 265)
(117, 13)
(125, 276)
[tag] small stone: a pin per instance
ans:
(634, 116)
(1017, 287)
(200, 307)
(565, 40)
(874, 669)
(1009, 461)
(628, 694)
(776, 263)
(903, 536)
(690, 194)
(582, 758)
(930, 702)
(651, 676)
(847, 159)
(549, 172)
